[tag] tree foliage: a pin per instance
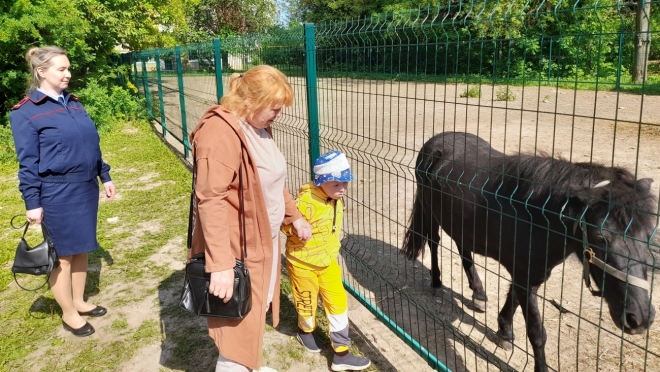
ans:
(206, 19)
(529, 39)
(88, 29)
(318, 11)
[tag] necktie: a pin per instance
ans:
(61, 101)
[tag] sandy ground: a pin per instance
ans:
(381, 125)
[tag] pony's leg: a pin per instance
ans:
(505, 320)
(433, 241)
(534, 323)
(479, 297)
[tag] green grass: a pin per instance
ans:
(151, 211)
(651, 87)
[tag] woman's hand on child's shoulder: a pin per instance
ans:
(302, 229)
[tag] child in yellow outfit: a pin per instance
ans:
(312, 265)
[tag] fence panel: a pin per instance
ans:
(549, 86)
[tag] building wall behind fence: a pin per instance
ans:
(545, 78)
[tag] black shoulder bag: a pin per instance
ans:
(195, 297)
(38, 260)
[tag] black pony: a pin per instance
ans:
(530, 212)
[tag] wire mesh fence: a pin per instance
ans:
(549, 88)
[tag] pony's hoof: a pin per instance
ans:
(437, 292)
(504, 342)
(479, 305)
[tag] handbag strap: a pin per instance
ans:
(27, 224)
(242, 204)
(193, 204)
(46, 235)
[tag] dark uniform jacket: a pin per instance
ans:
(54, 143)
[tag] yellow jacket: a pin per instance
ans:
(325, 215)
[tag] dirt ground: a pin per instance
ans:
(381, 126)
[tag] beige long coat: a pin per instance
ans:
(220, 148)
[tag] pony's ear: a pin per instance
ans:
(587, 194)
(644, 184)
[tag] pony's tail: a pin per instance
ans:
(418, 231)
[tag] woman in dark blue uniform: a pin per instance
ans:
(59, 165)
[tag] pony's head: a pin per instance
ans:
(614, 225)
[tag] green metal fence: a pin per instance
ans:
(548, 78)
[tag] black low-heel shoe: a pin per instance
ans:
(97, 311)
(83, 331)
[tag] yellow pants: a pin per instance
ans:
(306, 286)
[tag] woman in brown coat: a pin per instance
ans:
(233, 137)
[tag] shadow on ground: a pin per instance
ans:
(289, 326)
(400, 290)
(185, 345)
(44, 306)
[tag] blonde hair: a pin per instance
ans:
(256, 89)
(40, 57)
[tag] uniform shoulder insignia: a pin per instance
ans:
(74, 97)
(20, 103)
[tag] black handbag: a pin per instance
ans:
(38, 260)
(195, 297)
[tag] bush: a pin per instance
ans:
(7, 151)
(96, 100)
(472, 92)
(505, 94)
(125, 105)
(108, 107)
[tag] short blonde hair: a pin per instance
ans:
(256, 89)
(40, 57)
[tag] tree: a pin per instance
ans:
(318, 11)
(23, 25)
(642, 40)
(221, 18)
(88, 29)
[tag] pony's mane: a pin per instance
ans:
(541, 174)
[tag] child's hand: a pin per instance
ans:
(302, 229)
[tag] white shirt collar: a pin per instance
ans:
(56, 98)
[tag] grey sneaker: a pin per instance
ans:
(309, 342)
(349, 362)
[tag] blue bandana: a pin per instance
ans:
(332, 166)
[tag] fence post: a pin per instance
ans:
(163, 122)
(182, 102)
(312, 97)
(135, 75)
(217, 53)
(145, 85)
